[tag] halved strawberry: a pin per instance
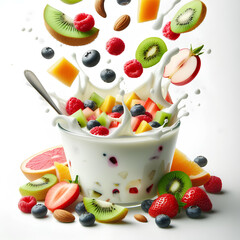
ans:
(61, 195)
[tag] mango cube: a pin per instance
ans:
(64, 71)
(143, 127)
(108, 104)
(128, 99)
(148, 10)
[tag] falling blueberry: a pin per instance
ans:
(123, 2)
(155, 124)
(193, 212)
(80, 208)
(90, 104)
(118, 108)
(137, 109)
(39, 210)
(91, 58)
(108, 75)
(93, 123)
(87, 219)
(146, 204)
(201, 161)
(47, 52)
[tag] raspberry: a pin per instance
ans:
(101, 130)
(83, 22)
(214, 185)
(165, 204)
(115, 114)
(144, 117)
(115, 46)
(73, 105)
(133, 68)
(25, 204)
(168, 33)
(149, 115)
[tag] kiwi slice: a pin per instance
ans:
(176, 183)
(39, 187)
(189, 17)
(105, 212)
(61, 27)
(150, 51)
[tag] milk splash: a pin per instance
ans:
(152, 87)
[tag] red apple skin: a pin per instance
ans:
(194, 74)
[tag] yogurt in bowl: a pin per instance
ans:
(123, 167)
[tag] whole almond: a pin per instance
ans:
(140, 218)
(63, 216)
(100, 8)
(122, 22)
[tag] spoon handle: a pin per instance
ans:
(34, 81)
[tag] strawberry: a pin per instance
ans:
(195, 196)
(62, 195)
(146, 118)
(165, 204)
(214, 185)
(115, 114)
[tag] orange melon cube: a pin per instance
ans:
(148, 10)
(108, 104)
(64, 71)
(128, 99)
(143, 127)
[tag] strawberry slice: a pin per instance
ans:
(62, 195)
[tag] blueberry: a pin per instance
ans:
(118, 108)
(193, 212)
(39, 210)
(92, 123)
(80, 208)
(108, 75)
(87, 219)
(137, 109)
(91, 104)
(162, 220)
(201, 161)
(155, 124)
(146, 204)
(47, 52)
(123, 2)
(91, 58)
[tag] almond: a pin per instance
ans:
(140, 218)
(122, 22)
(63, 216)
(100, 9)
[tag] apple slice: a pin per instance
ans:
(184, 66)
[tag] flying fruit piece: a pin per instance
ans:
(189, 17)
(148, 10)
(62, 28)
(105, 212)
(184, 66)
(71, 1)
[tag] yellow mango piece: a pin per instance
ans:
(148, 10)
(143, 127)
(136, 101)
(128, 99)
(62, 172)
(108, 104)
(160, 106)
(64, 71)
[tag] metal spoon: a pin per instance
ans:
(34, 81)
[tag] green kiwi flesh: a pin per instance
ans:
(39, 187)
(61, 27)
(104, 211)
(188, 17)
(150, 51)
(176, 183)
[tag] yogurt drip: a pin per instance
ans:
(158, 23)
(151, 87)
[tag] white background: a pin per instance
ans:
(212, 129)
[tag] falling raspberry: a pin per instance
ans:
(168, 33)
(133, 68)
(84, 22)
(115, 46)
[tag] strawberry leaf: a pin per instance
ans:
(197, 51)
